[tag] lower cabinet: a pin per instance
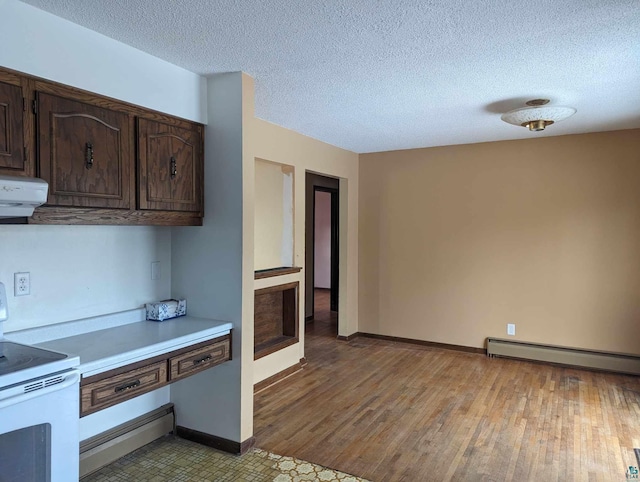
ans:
(118, 388)
(110, 388)
(193, 361)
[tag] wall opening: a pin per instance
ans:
(274, 209)
(322, 246)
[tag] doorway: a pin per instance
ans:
(322, 261)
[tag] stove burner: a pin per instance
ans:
(15, 357)
(18, 362)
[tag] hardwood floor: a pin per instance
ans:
(325, 321)
(391, 411)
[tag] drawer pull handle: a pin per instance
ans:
(174, 167)
(89, 156)
(202, 360)
(128, 386)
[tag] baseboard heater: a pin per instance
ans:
(577, 357)
(109, 446)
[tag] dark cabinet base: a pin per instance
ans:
(61, 215)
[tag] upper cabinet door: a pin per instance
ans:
(12, 145)
(84, 152)
(170, 166)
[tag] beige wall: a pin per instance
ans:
(456, 242)
(269, 216)
(276, 144)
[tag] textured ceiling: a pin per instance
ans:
(374, 75)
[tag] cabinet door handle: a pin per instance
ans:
(127, 386)
(89, 155)
(174, 167)
(202, 360)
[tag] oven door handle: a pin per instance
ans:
(72, 378)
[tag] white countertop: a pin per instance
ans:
(109, 348)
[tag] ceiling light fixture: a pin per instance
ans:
(538, 115)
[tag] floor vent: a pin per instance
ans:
(104, 448)
(582, 358)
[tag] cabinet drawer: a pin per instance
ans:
(199, 359)
(118, 388)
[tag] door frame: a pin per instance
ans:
(313, 180)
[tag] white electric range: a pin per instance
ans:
(39, 411)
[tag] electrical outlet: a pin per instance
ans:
(21, 284)
(155, 270)
(511, 329)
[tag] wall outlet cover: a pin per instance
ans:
(511, 329)
(21, 284)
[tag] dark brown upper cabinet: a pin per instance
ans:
(170, 166)
(84, 145)
(84, 153)
(12, 146)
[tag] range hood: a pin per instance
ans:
(19, 196)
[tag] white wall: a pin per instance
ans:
(84, 271)
(41, 44)
(213, 265)
(322, 251)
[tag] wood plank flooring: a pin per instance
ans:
(391, 411)
(325, 321)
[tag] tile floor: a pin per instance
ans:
(177, 460)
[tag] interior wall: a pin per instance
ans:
(322, 242)
(277, 144)
(288, 209)
(456, 242)
(83, 271)
(273, 244)
(269, 219)
(39, 43)
(213, 264)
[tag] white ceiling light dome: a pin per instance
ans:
(538, 115)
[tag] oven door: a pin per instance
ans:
(39, 432)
